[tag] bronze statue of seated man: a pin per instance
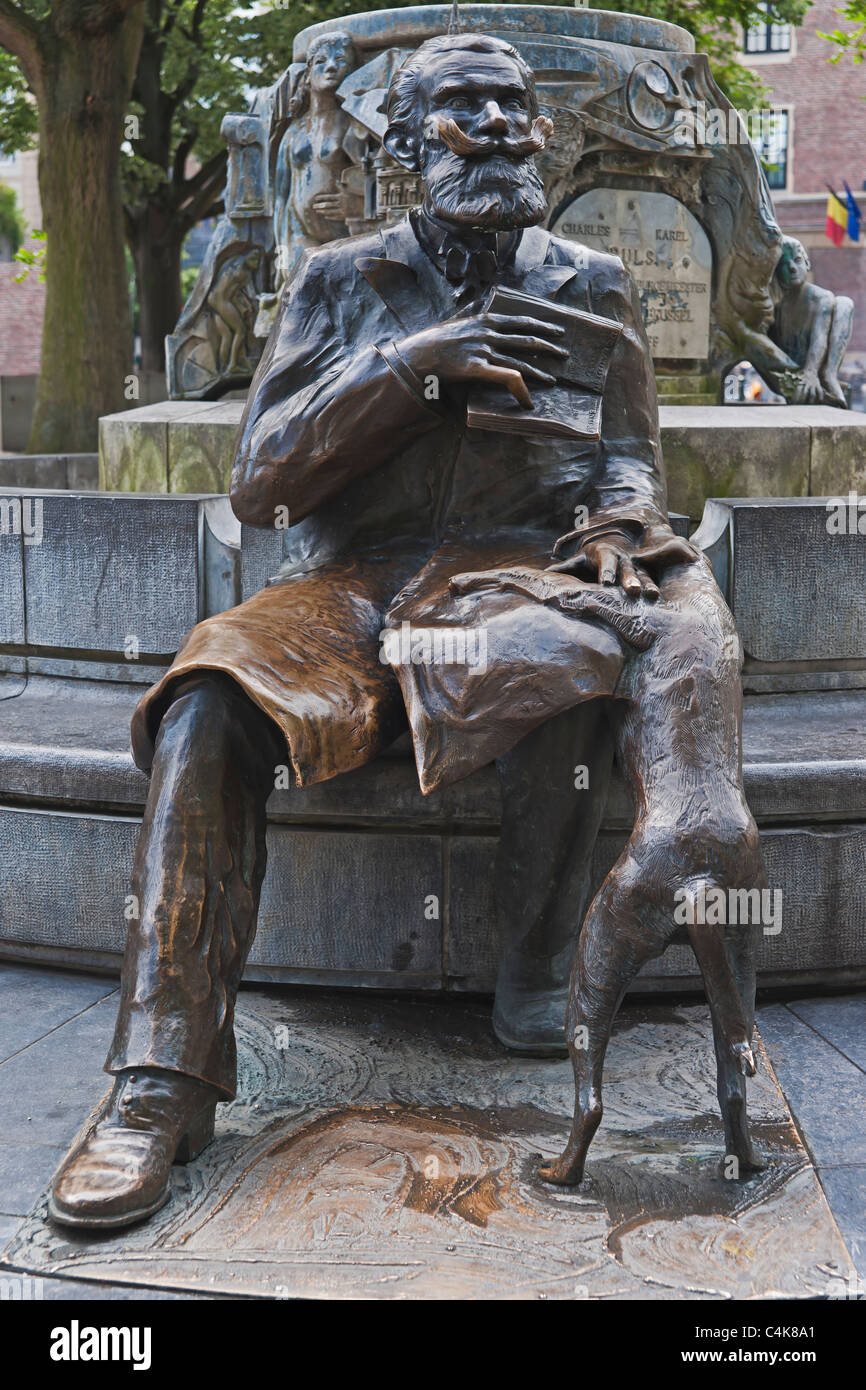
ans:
(358, 429)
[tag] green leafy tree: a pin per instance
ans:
(851, 43)
(199, 60)
(78, 60)
(11, 222)
(32, 258)
(18, 117)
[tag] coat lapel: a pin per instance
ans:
(530, 272)
(406, 281)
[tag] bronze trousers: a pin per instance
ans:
(201, 858)
(198, 873)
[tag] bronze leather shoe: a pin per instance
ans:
(117, 1172)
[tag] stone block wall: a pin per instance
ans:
(709, 451)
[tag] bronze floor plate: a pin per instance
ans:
(384, 1148)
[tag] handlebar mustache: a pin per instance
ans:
(458, 142)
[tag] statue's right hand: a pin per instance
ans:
(486, 347)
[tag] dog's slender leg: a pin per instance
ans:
(614, 944)
(731, 1077)
(723, 993)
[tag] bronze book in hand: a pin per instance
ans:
(569, 409)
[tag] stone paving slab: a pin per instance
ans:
(25, 1171)
(35, 1002)
(841, 1021)
(826, 1091)
(387, 1149)
(45, 1089)
(8, 1226)
(819, 1054)
(845, 1189)
(52, 1046)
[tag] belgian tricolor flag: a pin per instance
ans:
(837, 219)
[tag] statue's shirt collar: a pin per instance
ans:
(470, 260)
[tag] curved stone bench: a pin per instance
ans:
(360, 866)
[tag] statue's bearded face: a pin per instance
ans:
(476, 141)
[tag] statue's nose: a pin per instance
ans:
(493, 118)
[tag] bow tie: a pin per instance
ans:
(471, 261)
(470, 269)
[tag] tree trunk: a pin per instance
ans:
(156, 240)
(87, 334)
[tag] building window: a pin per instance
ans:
(771, 142)
(766, 37)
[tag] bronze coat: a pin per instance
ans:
(389, 495)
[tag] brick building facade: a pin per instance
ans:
(21, 311)
(21, 306)
(820, 140)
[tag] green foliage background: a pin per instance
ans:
(12, 227)
(214, 53)
(851, 43)
(17, 112)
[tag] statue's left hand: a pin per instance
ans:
(617, 556)
(573, 596)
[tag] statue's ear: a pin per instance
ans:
(402, 148)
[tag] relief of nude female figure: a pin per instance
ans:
(311, 203)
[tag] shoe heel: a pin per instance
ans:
(198, 1135)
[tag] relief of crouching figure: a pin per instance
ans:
(812, 325)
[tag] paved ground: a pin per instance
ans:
(55, 1027)
(818, 1049)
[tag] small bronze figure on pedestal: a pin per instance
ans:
(813, 326)
(434, 403)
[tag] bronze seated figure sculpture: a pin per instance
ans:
(812, 325)
(434, 404)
